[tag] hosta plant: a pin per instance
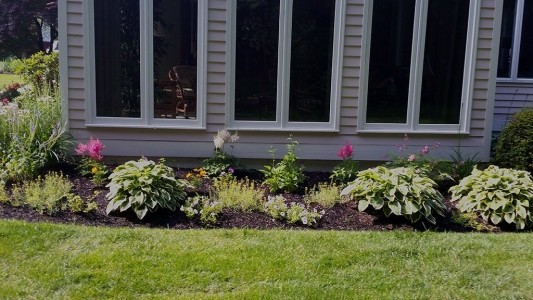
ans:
(144, 186)
(498, 195)
(400, 191)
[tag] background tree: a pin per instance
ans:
(22, 23)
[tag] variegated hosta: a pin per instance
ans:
(399, 191)
(144, 186)
(497, 194)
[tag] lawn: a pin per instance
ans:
(8, 78)
(46, 261)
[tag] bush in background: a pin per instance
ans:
(41, 70)
(514, 148)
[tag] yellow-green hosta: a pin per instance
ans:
(399, 191)
(497, 194)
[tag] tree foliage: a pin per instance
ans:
(22, 23)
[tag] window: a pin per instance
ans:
(147, 63)
(417, 65)
(285, 64)
(516, 41)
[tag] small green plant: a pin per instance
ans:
(276, 207)
(286, 175)
(470, 220)
(221, 161)
(497, 194)
(461, 165)
(514, 148)
(144, 186)
(325, 195)
(4, 197)
(196, 176)
(203, 207)
(236, 194)
(346, 171)
(400, 191)
(46, 195)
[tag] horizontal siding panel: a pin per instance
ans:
(74, 7)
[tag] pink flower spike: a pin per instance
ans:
(345, 152)
(94, 148)
(425, 150)
(411, 157)
(5, 101)
(81, 149)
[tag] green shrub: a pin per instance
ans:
(41, 70)
(323, 194)
(400, 191)
(497, 194)
(144, 186)
(46, 195)
(242, 195)
(514, 148)
(32, 137)
(286, 175)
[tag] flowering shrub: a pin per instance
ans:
(196, 176)
(421, 161)
(286, 175)
(10, 92)
(90, 164)
(346, 171)
(221, 161)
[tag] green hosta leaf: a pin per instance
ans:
(363, 204)
(396, 208)
(377, 202)
(495, 218)
(509, 218)
(141, 212)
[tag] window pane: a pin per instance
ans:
(506, 39)
(256, 59)
(444, 60)
(117, 58)
(311, 54)
(390, 61)
(525, 65)
(175, 58)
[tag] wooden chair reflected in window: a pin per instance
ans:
(165, 99)
(184, 79)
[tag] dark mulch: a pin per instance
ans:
(343, 216)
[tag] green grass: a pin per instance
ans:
(47, 261)
(8, 78)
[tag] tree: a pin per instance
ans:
(22, 23)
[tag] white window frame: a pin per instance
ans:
(146, 119)
(282, 122)
(412, 124)
(517, 39)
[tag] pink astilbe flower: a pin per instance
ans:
(345, 152)
(411, 157)
(5, 101)
(94, 147)
(81, 149)
(425, 150)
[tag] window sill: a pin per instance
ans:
(142, 126)
(420, 131)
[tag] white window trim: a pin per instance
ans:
(284, 56)
(147, 89)
(517, 40)
(415, 83)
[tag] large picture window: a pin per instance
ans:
(419, 56)
(286, 58)
(147, 61)
(516, 41)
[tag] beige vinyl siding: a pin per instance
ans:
(194, 143)
(510, 98)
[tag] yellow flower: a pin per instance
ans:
(94, 170)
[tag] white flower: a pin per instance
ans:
(224, 135)
(234, 137)
(304, 220)
(219, 142)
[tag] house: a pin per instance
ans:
(514, 83)
(161, 77)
